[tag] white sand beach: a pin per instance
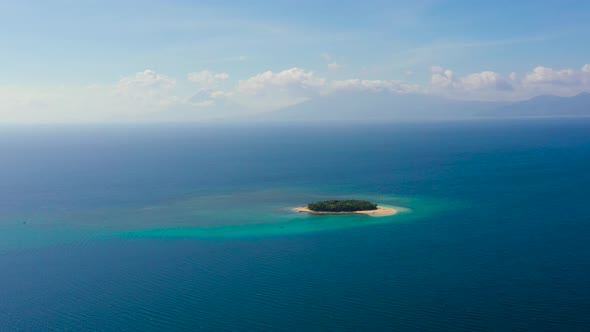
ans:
(381, 211)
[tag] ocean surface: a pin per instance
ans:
(189, 227)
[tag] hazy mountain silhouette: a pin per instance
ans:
(382, 105)
(547, 105)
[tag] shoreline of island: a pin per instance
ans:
(381, 211)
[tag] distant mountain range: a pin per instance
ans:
(546, 105)
(371, 106)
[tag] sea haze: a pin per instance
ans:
(379, 106)
(174, 227)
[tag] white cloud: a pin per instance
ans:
(295, 84)
(408, 73)
(294, 81)
(151, 95)
(486, 80)
(326, 56)
(147, 79)
(564, 82)
(299, 83)
(375, 85)
(441, 78)
(489, 85)
(146, 88)
(513, 76)
(544, 75)
(209, 83)
(270, 90)
(146, 95)
(334, 66)
(273, 90)
(207, 78)
(477, 85)
(586, 76)
(446, 82)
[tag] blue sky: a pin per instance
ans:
(52, 49)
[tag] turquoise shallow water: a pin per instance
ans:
(257, 214)
(189, 228)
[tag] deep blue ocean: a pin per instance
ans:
(189, 227)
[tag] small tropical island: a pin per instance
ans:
(351, 206)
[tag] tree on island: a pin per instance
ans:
(350, 205)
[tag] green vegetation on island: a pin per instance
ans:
(342, 206)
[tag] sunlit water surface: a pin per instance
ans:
(190, 227)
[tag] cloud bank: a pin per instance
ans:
(489, 85)
(149, 95)
(207, 78)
